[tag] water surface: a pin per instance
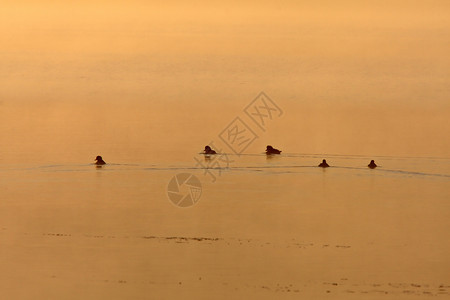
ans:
(148, 85)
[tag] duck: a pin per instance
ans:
(372, 164)
(324, 164)
(99, 161)
(208, 150)
(271, 150)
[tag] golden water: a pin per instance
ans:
(147, 86)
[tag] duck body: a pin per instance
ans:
(271, 150)
(372, 164)
(208, 150)
(324, 164)
(99, 161)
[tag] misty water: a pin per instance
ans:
(147, 86)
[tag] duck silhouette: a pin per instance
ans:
(272, 150)
(372, 164)
(324, 164)
(99, 161)
(208, 150)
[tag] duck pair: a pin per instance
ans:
(269, 150)
(324, 164)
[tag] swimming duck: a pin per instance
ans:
(372, 164)
(99, 160)
(271, 150)
(324, 164)
(208, 150)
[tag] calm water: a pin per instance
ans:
(147, 86)
(265, 228)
